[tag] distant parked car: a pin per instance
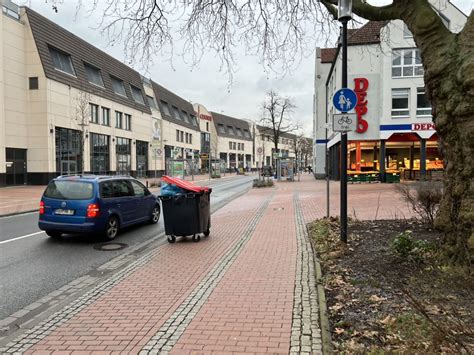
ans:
(95, 204)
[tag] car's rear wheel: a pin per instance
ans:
(155, 215)
(54, 234)
(112, 228)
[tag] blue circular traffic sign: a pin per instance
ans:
(344, 100)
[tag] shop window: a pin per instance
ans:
(406, 63)
(165, 108)
(105, 116)
(94, 113)
(400, 102)
(423, 104)
(137, 95)
(93, 75)
(118, 119)
(123, 151)
(128, 122)
(118, 86)
(99, 153)
(62, 61)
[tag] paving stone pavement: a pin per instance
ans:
(248, 288)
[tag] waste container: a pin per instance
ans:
(187, 213)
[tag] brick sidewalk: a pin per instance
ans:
(248, 288)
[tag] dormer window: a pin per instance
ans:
(93, 75)
(239, 132)
(137, 95)
(221, 128)
(118, 86)
(62, 61)
(151, 101)
(231, 130)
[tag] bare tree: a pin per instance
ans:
(82, 117)
(280, 31)
(276, 116)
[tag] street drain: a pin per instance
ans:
(110, 246)
(279, 209)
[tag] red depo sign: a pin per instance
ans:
(361, 86)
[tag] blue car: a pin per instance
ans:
(95, 204)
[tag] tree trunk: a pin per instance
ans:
(449, 80)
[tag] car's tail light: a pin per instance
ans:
(93, 210)
(41, 210)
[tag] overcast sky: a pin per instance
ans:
(205, 84)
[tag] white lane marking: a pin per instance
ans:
(23, 236)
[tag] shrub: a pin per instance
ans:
(262, 183)
(423, 197)
(404, 246)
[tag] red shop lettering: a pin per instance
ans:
(361, 86)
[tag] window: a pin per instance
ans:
(99, 153)
(123, 151)
(68, 152)
(194, 120)
(190, 138)
(221, 128)
(181, 135)
(177, 135)
(138, 189)
(400, 102)
(187, 137)
(185, 116)
(33, 81)
(165, 107)
(176, 113)
(118, 119)
(406, 63)
(239, 132)
(151, 101)
(423, 104)
(62, 61)
(94, 113)
(93, 75)
(231, 130)
(128, 122)
(246, 133)
(242, 145)
(69, 190)
(137, 95)
(142, 157)
(118, 86)
(207, 126)
(238, 146)
(105, 116)
(230, 145)
(406, 31)
(234, 146)
(121, 188)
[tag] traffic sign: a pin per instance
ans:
(344, 122)
(259, 150)
(344, 100)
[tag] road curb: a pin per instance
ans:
(17, 213)
(323, 311)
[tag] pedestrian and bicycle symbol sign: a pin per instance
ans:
(344, 100)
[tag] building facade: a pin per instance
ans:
(395, 134)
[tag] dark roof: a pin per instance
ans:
(172, 99)
(48, 34)
(328, 54)
(367, 34)
(226, 121)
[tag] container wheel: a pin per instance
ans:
(207, 232)
(171, 239)
(196, 238)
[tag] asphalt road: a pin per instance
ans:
(32, 265)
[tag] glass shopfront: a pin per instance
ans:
(142, 158)
(123, 151)
(100, 153)
(68, 151)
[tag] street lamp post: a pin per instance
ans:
(344, 15)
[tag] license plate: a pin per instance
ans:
(64, 212)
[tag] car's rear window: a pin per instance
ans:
(69, 190)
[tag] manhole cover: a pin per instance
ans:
(110, 246)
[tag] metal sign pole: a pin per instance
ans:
(343, 236)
